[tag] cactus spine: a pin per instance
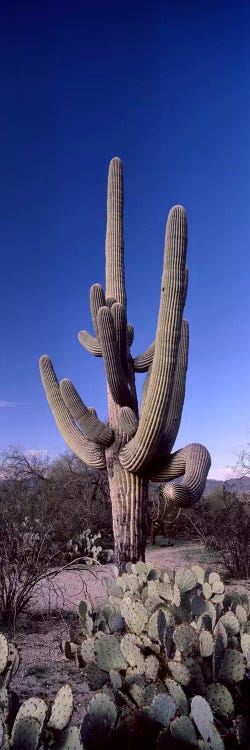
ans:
(134, 446)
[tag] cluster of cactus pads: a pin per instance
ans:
(37, 722)
(85, 545)
(169, 654)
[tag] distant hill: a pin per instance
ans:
(234, 484)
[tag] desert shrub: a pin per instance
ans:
(171, 654)
(222, 523)
(27, 556)
(65, 495)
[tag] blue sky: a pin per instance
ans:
(165, 86)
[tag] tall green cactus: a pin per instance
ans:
(135, 446)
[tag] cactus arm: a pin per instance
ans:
(178, 394)
(120, 323)
(145, 388)
(92, 428)
(87, 451)
(97, 300)
(192, 463)
(143, 361)
(115, 376)
(89, 343)
(128, 421)
(138, 452)
(115, 274)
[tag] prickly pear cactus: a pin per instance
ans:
(177, 662)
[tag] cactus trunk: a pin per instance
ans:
(128, 493)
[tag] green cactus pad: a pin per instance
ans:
(115, 679)
(245, 643)
(13, 659)
(4, 652)
(216, 740)
(206, 643)
(132, 583)
(176, 595)
(198, 606)
(211, 609)
(153, 589)
(199, 573)
(115, 604)
(116, 591)
(152, 603)
(121, 581)
(102, 716)
(136, 692)
(150, 692)
(219, 650)
(108, 653)
(131, 651)
(152, 626)
(218, 598)
(241, 614)
(34, 708)
(116, 623)
(165, 591)
(151, 668)
(185, 579)
(167, 575)
(163, 709)
(207, 590)
(82, 609)
(69, 740)
(231, 623)
(212, 577)
(206, 622)
(95, 676)
(182, 729)
(140, 567)
(88, 650)
(62, 709)
(220, 699)
(217, 586)
(180, 672)
(147, 643)
(185, 638)
(135, 615)
(178, 695)
(232, 668)
(153, 573)
(221, 630)
(26, 733)
(202, 715)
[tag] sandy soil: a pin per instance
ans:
(53, 617)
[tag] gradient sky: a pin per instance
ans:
(165, 86)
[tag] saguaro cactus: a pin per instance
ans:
(134, 446)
